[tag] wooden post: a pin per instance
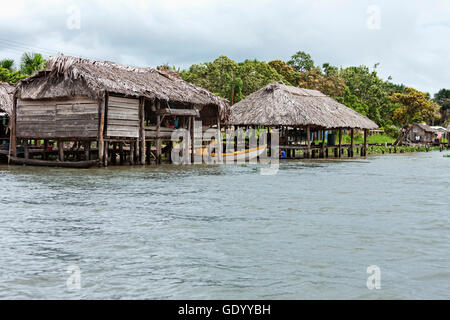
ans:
(61, 150)
(323, 143)
(132, 143)
(26, 149)
(106, 153)
(158, 135)
(148, 151)
(352, 143)
(122, 159)
(308, 141)
(219, 138)
(12, 137)
(191, 131)
(44, 154)
(101, 129)
(448, 138)
(87, 150)
(142, 130)
(114, 154)
(365, 142)
(340, 143)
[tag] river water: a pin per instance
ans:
(228, 232)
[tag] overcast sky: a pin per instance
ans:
(410, 39)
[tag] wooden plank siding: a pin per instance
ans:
(70, 118)
(122, 117)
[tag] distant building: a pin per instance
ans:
(421, 133)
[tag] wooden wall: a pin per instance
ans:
(122, 117)
(70, 118)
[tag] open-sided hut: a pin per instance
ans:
(299, 111)
(6, 107)
(85, 101)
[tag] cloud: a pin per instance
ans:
(410, 45)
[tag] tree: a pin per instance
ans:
(7, 64)
(443, 99)
(331, 84)
(10, 77)
(301, 62)
(286, 71)
(414, 107)
(31, 63)
(229, 79)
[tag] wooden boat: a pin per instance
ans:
(44, 163)
(244, 155)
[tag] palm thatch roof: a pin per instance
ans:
(69, 76)
(6, 98)
(278, 104)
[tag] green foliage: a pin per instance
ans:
(7, 64)
(369, 94)
(10, 77)
(415, 106)
(229, 79)
(286, 71)
(443, 99)
(301, 62)
(31, 63)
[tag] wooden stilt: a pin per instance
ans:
(323, 144)
(352, 143)
(61, 150)
(101, 129)
(308, 141)
(26, 149)
(105, 161)
(132, 144)
(87, 151)
(148, 150)
(340, 143)
(121, 154)
(365, 142)
(158, 134)
(114, 154)
(142, 131)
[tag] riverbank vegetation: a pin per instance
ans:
(392, 106)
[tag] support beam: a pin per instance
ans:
(340, 143)
(101, 129)
(121, 154)
(87, 151)
(61, 150)
(365, 142)
(13, 138)
(192, 140)
(308, 141)
(132, 144)
(158, 134)
(323, 143)
(352, 143)
(142, 130)
(114, 154)
(106, 146)
(26, 149)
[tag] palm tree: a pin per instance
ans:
(7, 64)
(31, 63)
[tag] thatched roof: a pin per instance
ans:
(424, 127)
(278, 104)
(69, 76)
(6, 98)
